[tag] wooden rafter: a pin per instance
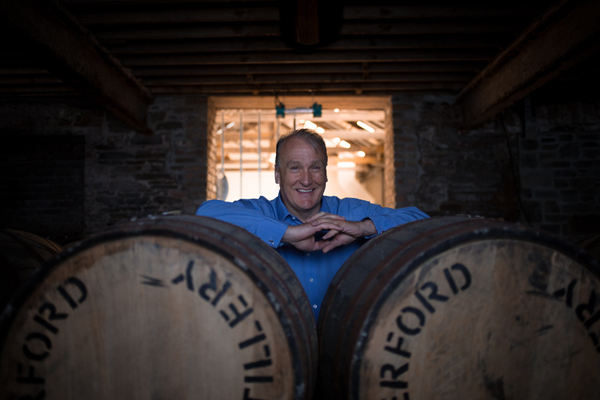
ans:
(565, 34)
(67, 49)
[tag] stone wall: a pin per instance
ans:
(445, 170)
(42, 184)
(560, 164)
(42, 164)
(130, 175)
(541, 167)
(127, 175)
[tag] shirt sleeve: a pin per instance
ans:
(388, 218)
(252, 215)
(383, 218)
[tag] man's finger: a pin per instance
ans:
(330, 234)
(320, 245)
(325, 215)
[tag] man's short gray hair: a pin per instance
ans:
(309, 136)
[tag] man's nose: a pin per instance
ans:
(305, 178)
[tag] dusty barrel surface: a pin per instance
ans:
(21, 254)
(174, 307)
(454, 308)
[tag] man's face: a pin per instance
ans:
(301, 177)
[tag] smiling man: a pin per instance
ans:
(314, 233)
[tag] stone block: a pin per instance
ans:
(569, 151)
(529, 145)
(554, 229)
(140, 139)
(124, 184)
(529, 161)
(593, 154)
(549, 165)
(114, 156)
(533, 210)
(546, 194)
(551, 207)
(577, 208)
(569, 195)
(169, 125)
(565, 173)
(537, 179)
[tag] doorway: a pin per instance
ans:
(245, 139)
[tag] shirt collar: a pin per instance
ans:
(283, 213)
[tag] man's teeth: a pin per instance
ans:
(305, 190)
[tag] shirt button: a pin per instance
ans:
(314, 306)
(311, 279)
(307, 254)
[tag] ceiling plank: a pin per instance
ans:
(357, 88)
(69, 51)
(565, 34)
(188, 32)
(320, 56)
(344, 43)
(198, 70)
(435, 11)
(199, 12)
(298, 78)
(265, 29)
(178, 16)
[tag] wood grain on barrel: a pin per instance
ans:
(160, 310)
(464, 309)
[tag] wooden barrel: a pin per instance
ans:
(455, 308)
(176, 307)
(21, 254)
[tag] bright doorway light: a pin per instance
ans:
(365, 126)
(346, 164)
(309, 125)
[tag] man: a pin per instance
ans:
(314, 233)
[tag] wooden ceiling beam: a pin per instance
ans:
(198, 70)
(566, 33)
(306, 78)
(305, 88)
(344, 43)
(182, 31)
(316, 57)
(178, 16)
(375, 12)
(199, 13)
(119, 3)
(70, 52)
(265, 29)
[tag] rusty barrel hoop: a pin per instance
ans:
(221, 257)
(358, 317)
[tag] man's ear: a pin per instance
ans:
(277, 174)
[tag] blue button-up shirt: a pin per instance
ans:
(269, 219)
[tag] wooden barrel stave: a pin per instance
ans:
(237, 250)
(21, 254)
(403, 251)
